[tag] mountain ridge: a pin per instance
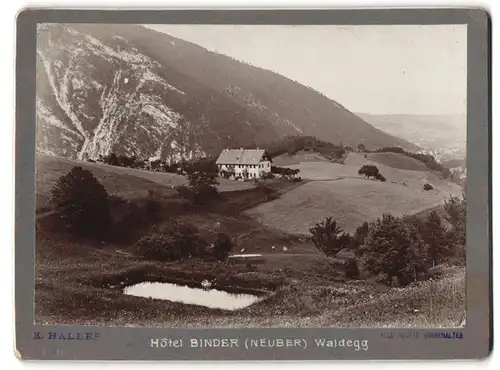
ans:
(133, 90)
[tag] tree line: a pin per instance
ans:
(206, 165)
(399, 248)
(292, 144)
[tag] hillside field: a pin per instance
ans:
(121, 181)
(73, 288)
(337, 190)
(80, 282)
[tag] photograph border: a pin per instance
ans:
(474, 341)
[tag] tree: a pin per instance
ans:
(369, 170)
(197, 179)
(435, 238)
(392, 249)
(82, 202)
(202, 188)
(456, 210)
(361, 147)
(328, 237)
(359, 236)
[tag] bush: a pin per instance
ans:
(392, 249)
(82, 203)
(328, 237)
(380, 177)
(222, 246)
(159, 247)
(267, 175)
(172, 242)
(428, 187)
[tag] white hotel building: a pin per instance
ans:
(244, 163)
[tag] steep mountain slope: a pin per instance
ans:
(129, 89)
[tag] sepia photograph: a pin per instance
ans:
(251, 176)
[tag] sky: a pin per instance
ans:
(386, 69)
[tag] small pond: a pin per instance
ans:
(210, 298)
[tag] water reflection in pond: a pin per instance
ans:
(211, 298)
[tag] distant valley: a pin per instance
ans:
(444, 136)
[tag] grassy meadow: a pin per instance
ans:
(337, 190)
(81, 282)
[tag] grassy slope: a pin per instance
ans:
(396, 160)
(337, 190)
(125, 182)
(301, 156)
(80, 283)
